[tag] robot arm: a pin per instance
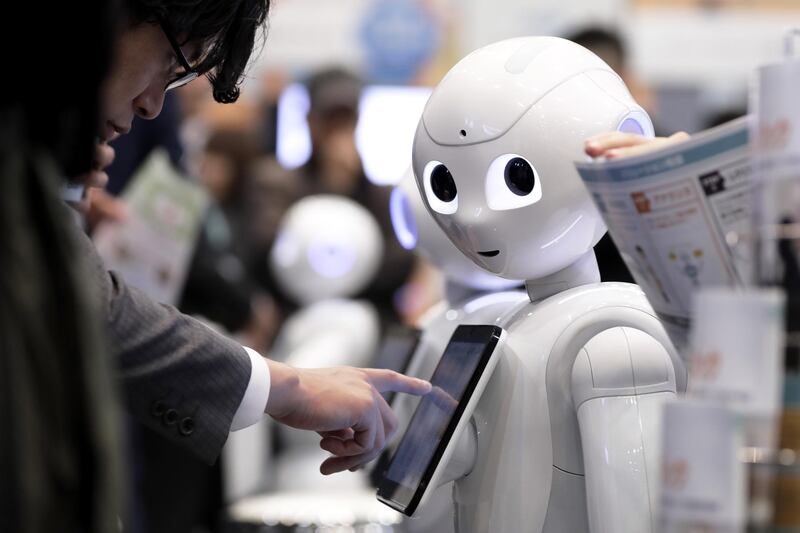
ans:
(620, 379)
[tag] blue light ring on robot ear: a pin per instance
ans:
(637, 122)
(499, 196)
(403, 223)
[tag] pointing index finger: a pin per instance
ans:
(390, 381)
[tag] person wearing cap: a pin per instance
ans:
(334, 167)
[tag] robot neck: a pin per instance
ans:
(455, 292)
(582, 272)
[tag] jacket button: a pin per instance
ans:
(170, 417)
(186, 426)
(158, 408)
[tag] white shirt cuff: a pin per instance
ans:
(254, 401)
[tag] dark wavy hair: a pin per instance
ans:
(227, 30)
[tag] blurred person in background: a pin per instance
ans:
(219, 287)
(610, 47)
(334, 168)
(272, 83)
(180, 378)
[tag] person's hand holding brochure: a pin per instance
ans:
(616, 144)
(678, 212)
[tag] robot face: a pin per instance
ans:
(327, 247)
(416, 229)
(495, 149)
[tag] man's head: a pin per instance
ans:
(216, 38)
(333, 97)
(606, 43)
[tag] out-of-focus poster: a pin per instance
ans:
(151, 250)
(677, 214)
(399, 37)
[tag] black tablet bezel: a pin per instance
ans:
(406, 499)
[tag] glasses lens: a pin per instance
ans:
(181, 81)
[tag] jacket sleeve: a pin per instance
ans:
(179, 377)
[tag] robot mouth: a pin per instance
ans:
(490, 253)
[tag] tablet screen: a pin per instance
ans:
(437, 415)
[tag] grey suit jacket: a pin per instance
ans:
(179, 377)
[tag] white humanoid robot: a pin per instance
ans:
(328, 248)
(563, 437)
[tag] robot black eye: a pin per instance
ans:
(442, 184)
(519, 175)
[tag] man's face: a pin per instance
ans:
(143, 63)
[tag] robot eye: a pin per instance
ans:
(440, 188)
(519, 176)
(511, 183)
(442, 184)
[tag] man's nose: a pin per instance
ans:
(149, 103)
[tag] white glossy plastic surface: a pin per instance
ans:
(618, 462)
(530, 465)
(326, 247)
(416, 229)
(538, 98)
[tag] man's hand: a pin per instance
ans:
(343, 405)
(97, 177)
(614, 145)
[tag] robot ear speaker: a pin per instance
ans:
(637, 122)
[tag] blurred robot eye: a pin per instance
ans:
(519, 176)
(440, 188)
(511, 183)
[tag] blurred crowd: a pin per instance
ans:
(229, 151)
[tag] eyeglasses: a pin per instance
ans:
(190, 73)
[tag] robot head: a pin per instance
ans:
(416, 229)
(495, 149)
(327, 247)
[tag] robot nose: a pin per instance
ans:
(470, 217)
